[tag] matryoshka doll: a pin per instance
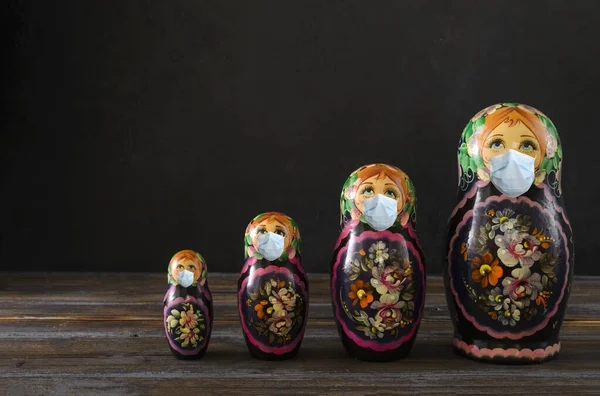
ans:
(510, 248)
(377, 273)
(273, 288)
(188, 310)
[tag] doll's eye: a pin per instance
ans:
(261, 231)
(528, 145)
(368, 191)
(390, 193)
(179, 266)
(191, 267)
(497, 144)
(280, 232)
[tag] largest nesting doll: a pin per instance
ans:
(273, 288)
(377, 273)
(510, 247)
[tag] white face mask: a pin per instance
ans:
(380, 211)
(270, 245)
(185, 278)
(512, 172)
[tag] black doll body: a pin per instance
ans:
(188, 311)
(377, 271)
(510, 257)
(393, 324)
(273, 294)
(260, 286)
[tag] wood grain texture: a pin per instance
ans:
(101, 334)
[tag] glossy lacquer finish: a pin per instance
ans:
(510, 258)
(377, 272)
(188, 308)
(273, 290)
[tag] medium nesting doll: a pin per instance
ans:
(188, 310)
(273, 288)
(510, 247)
(378, 276)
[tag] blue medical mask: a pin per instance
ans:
(270, 245)
(185, 278)
(380, 211)
(512, 172)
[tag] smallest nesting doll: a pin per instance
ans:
(188, 310)
(273, 288)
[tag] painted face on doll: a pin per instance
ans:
(274, 226)
(514, 136)
(378, 185)
(186, 264)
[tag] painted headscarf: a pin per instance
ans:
(294, 248)
(184, 257)
(471, 163)
(350, 212)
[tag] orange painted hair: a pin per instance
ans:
(381, 171)
(186, 255)
(514, 115)
(271, 217)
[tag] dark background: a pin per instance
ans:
(134, 129)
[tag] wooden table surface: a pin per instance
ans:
(66, 333)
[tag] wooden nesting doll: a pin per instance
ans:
(510, 248)
(188, 310)
(377, 273)
(273, 288)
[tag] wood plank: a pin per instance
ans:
(117, 285)
(147, 338)
(320, 354)
(430, 383)
(52, 329)
(20, 311)
(322, 361)
(102, 334)
(106, 295)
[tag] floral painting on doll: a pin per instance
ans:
(510, 259)
(501, 127)
(186, 327)
(279, 303)
(377, 180)
(378, 289)
(272, 226)
(187, 268)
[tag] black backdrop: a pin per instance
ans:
(137, 128)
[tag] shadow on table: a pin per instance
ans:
(334, 351)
